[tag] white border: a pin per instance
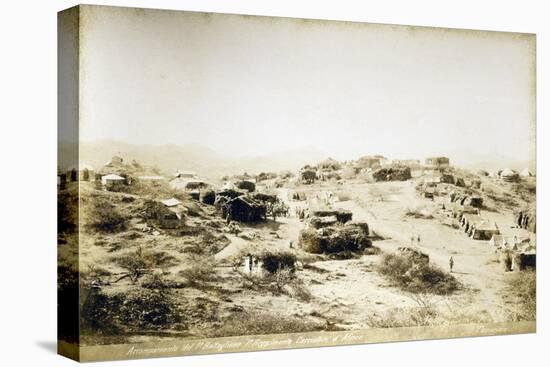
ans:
(28, 143)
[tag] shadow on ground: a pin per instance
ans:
(49, 346)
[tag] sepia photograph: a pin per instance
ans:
(238, 183)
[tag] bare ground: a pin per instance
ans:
(344, 294)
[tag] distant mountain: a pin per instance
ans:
(210, 164)
(495, 164)
(205, 161)
(291, 160)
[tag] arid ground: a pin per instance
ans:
(141, 283)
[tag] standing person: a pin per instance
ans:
(451, 264)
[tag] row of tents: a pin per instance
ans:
(516, 253)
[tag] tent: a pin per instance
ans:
(526, 173)
(171, 202)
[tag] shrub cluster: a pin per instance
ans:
(524, 286)
(139, 309)
(413, 275)
(105, 217)
(200, 269)
(256, 322)
(275, 261)
(142, 260)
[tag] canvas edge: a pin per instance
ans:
(68, 68)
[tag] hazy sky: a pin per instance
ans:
(254, 86)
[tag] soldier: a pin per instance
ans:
(451, 264)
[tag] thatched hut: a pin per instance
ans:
(437, 162)
(112, 181)
(207, 197)
(322, 222)
(395, 173)
(526, 173)
(509, 175)
(341, 215)
(351, 237)
(368, 162)
(244, 209)
(483, 230)
(166, 214)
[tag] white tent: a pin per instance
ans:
(526, 173)
(111, 178)
(171, 202)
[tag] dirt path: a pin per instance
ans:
(286, 229)
(475, 264)
(350, 292)
(237, 244)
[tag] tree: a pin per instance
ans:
(309, 176)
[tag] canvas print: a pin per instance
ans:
(241, 183)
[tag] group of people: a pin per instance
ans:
(278, 209)
(302, 213)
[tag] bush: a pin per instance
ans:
(200, 269)
(275, 261)
(99, 312)
(309, 241)
(524, 286)
(139, 309)
(141, 261)
(148, 308)
(206, 243)
(410, 274)
(400, 317)
(396, 173)
(282, 277)
(309, 176)
(258, 322)
(425, 313)
(104, 217)
(299, 290)
(246, 185)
